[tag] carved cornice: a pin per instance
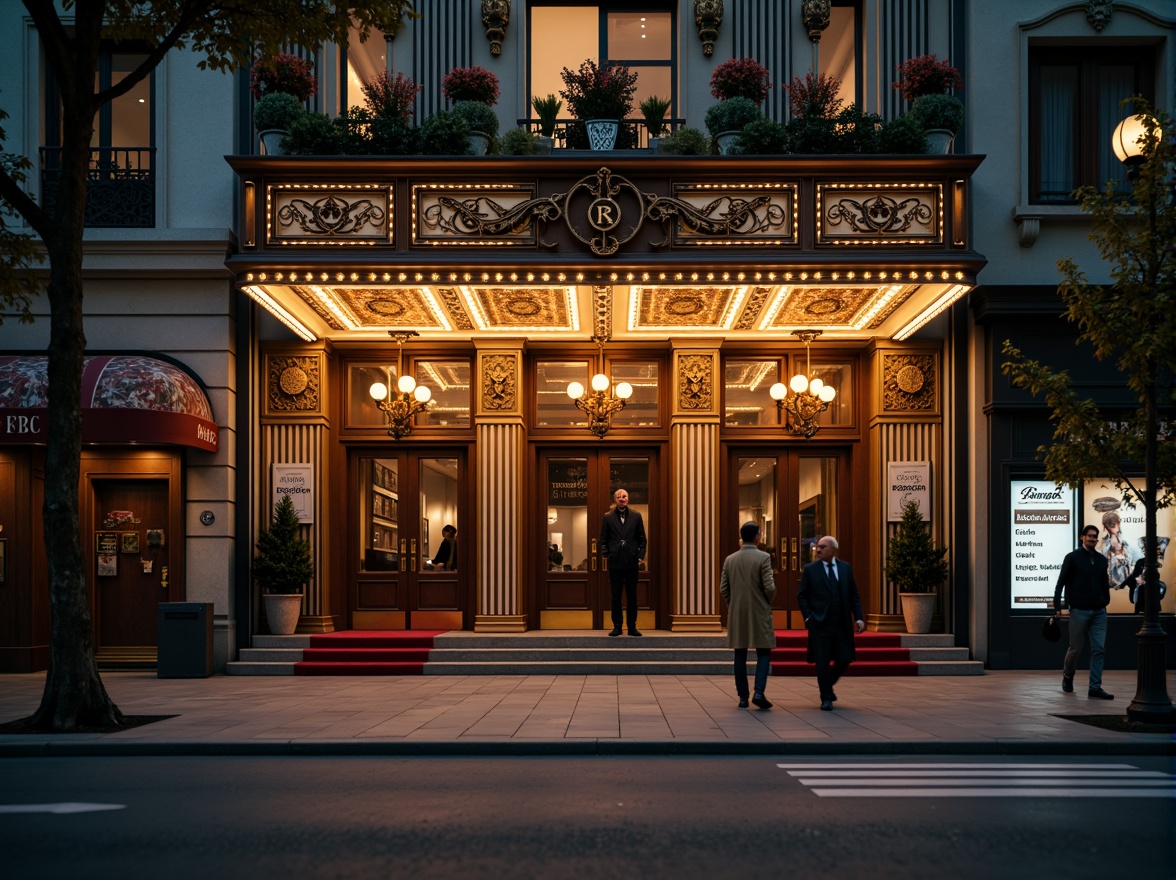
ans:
(1099, 12)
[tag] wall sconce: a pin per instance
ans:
(810, 396)
(409, 399)
(1130, 140)
(708, 15)
(599, 404)
(495, 18)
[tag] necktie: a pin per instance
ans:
(832, 573)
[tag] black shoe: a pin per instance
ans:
(761, 701)
(832, 697)
(827, 705)
(743, 702)
(1068, 683)
(633, 632)
(1099, 694)
(616, 631)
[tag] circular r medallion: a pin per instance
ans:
(604, 214)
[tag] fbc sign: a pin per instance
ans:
(23, 427)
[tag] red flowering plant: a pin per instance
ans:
(927, 75)
(814, 96)
(595, 92)
(283, 72)
(741, 78)
(471, 84)
(391, 97)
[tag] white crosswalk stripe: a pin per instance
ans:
(909, 779)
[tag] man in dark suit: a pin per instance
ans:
(828, 598)
(622, 544)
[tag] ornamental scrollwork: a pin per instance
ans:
(695, 382)
(879, 215)
(331, 215)
(293, 384)
(725, 215)
(908, 383)
(482, 216)
(499, 390)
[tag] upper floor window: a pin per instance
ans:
(839, 48)
(1074, 106)
(361, 63)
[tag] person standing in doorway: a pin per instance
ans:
(832, 608)
(446, 558)
(747, 587)
(1084, 580)
(622, 544)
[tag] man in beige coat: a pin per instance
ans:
(747, 587)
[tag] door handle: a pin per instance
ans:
(402, 554)
(412, 554)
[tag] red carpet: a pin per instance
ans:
(877, 654)
(367, 652)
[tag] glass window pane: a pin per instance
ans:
(379, 512)
(839, 52)
(567, 514)
(640, 36)
(561, 36)
(1059, 98)
(641, 410)
(1114, 83)
(450, 383)
(632, 475)
(361, 408)
(757, 503)
(439, 536)
(130, 114)
(553, 406)
(747, 400)
(840, 378)
(816, 503)
(365, 61)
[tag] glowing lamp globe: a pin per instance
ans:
(575, 390)
(378, 391)
(624, 390)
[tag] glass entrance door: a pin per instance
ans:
(578, 489)
(796, 498)
(408, 557)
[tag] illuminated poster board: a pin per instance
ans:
(1042, 533)
(1121, 539)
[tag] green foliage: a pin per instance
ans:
(315, 134)
(763, 137)
(19, 251)
(731, 115)
(391, 96)
(283, 563)
(913, 563)
(547, 109)
(1133, 322)
(686, 141)
(939, 111)
(653, 111)
(445, 133)
(517, 142)
(595, 92)
(392, 136)
(276, 110)
(857, 131)
(812, 134)
(478, 116)
(903, 134)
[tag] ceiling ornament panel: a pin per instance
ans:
(757, 299)
(879, 214)
(684, 308)
(853, 308)
(329, 214)
(522, 308)
(359, 308)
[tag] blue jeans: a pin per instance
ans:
(1084, 625)
(763, 664)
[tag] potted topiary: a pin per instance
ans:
(547, 109)
(926, 76)
(686, 141)
(599, 97)
(518, 142)
(726, 119)
(391, 97)
(273, 115)
(482, 122)
(471, 84)
(282, 567)
(941, 117)
(653, 111)
(917, 567)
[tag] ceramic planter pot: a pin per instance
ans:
(271, 141)
(479, 143)
(939, 141)
(602, 133)
(282, 610)
(917, 610)
(726, 140)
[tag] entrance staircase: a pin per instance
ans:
(567, 652)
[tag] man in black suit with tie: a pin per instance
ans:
(828, 598)
(622, 543)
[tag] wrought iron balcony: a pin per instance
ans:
(120, 185)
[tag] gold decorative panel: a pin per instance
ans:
(470, 215)
(695, 383)
(294, 384)
(879, 214)
(355, 308)
(521, 308)
(500, 382)
(677, 308)
(839, 307)
(340, 214)
(724, 214)
(909, 383)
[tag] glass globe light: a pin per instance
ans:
(828, 393)
(575, 390)
(422, 393)
(406, 384)
(815, 386)
(378, 391)
(799, 383)
(1127, 136)
(778, 391)
(624, 390)
(600, 382)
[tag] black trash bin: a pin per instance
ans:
(185, 640)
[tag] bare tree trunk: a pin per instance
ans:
(74, 695)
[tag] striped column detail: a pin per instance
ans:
(441, 42)
(500, 504)
(695, 463)
(301, 444)
(762, 29)
(903, 33)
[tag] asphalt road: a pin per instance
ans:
(680, 817)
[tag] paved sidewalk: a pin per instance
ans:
(998, 713)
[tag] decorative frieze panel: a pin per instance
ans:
(909, 383)
(466, 214)
(293, 384)
(337, 214)
(879, 214)
(725, 214)
(500, 382)
(679, 307)
(694, 385)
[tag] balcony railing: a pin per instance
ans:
(636, 139)
(120, 185)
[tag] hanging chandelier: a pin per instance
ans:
(400, 407)
(810, 395)
(598, 403)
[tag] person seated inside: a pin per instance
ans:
(446, 558)
(554, 558)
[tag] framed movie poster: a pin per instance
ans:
(107, 565)
(130, 542)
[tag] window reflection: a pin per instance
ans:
(746, 383)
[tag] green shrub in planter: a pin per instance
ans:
(686, 141)
(392, 136)
(809, 135)
(903, 134)
(276, 111)
(445, 133)
(939, 111)
(283, 562)
(763, 137)
(857, 131)
(517, 142)
(478, 116)
(731, 115)
(313, 134)
(547, 109)
(913, 563)
(653, 111)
